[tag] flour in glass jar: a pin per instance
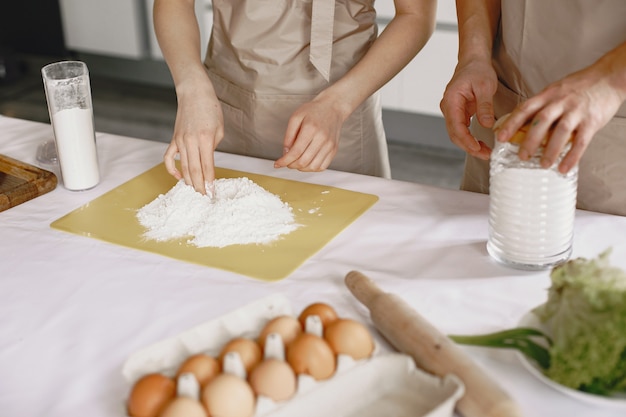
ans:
(242, 212)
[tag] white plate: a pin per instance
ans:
(531, 320)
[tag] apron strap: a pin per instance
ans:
(321, 49)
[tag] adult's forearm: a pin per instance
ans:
(178, 34)
(397, 45)
(614, 63)
(478, 22)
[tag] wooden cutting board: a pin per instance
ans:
(323, 212)
(20, 182)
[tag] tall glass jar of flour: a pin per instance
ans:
(68, 94)
(531, 210)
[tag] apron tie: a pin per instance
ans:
(321, 49)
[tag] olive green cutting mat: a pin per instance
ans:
(323, 212)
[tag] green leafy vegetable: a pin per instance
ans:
(585, 317)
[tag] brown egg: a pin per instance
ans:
(274, 379)
(228, 395)
(249, 351)
(325, 312)
(287, 327)
(184, 407)
(311, 355)
(150, 394)
(349, 337)
(202, 366)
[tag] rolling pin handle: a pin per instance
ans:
(362, 287)
(410, 333)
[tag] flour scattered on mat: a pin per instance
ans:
(242, 213)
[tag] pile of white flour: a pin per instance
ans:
(242, 212)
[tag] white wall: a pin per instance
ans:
(109, 27)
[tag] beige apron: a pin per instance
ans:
(268, 57)
(541, 42)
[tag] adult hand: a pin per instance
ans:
(470, 92)
(575, 107)
(312, 136)
(198, 129)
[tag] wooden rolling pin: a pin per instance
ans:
(432, 351)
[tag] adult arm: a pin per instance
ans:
(312, 135)
(576, 107)
(199, 125)
(474, 82)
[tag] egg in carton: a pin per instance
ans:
(359, 380)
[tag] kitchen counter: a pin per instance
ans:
(72, 308)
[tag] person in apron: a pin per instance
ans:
(555, 63)
(294, 81)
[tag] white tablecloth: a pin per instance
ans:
(72, 309)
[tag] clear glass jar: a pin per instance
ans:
(68, 94)
(531, 210)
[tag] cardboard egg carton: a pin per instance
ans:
(384, 384)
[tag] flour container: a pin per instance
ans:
(68, 95)
(531, 210)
